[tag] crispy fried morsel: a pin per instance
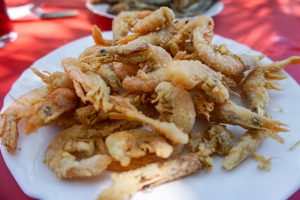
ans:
(98, 38)
(217, 139)
(95, 56)
(9, 132)
(184, 32)
(89, 86)
(54, 104)
(153, 61)
(123, 70)
(23, 107)
(183, 55)
(136, 143)
(221, 138)
(109, 126)
(135, 163)
(264, 163)
(203, 105)
(175, 105)
(120, 70)
(177, 150)
(158, 19)
(77, 152)
(124, 21)
(189, 74)
(54, 80)
(108, 74)
(230, 113)
(67, 119)
(203, 147)
(219, 58)
(159, 38)
(131, 69)
(195, 139)
(143, 102)
(89, 116)
(128, 183)
(248, 144)
(125, 110)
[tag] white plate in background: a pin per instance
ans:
(101, 9)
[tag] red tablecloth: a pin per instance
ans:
(270, 26)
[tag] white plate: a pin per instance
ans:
(246, 182)
(101, 9)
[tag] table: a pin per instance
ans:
(268, 26)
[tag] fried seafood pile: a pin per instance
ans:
(182, 8)
(130, 104)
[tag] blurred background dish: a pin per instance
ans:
(182, 8)
(6, 28)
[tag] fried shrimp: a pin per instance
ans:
(248, 144)
(124, 21)
(230, 113)
(89, 86)
(184, 32)
(54, 104)
(77, 152)
(159, 38)
(256, 84)
(39, 107)
(54, 80)
(255, 90)
(136, 143)
(189, 74)
(175, 105)
(219, 59)
(152, 59)
(127, 183)
(151, 74)
(156, 20)
(125, 110)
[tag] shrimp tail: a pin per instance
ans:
(98, 37)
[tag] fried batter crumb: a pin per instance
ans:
(263, 162)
